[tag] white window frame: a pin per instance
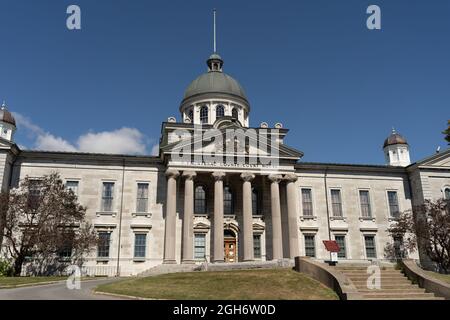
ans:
(388, 207)
(372, 211)
(374, 235)
(302, 216)
(330, 200)
(113, 206)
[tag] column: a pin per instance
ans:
(247, 216)
(171, 216)
(277, 241)
(188, 232)
(218, 217)
(291, 192)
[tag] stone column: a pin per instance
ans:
(247, 215)
(171, 216)
(291, 191)
(188, 228)
(277, 241)
(218, 217)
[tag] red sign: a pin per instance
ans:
(331, 245)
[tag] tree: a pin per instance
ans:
(447, 132)
(44, 224)
(426, 226)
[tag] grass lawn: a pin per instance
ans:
(17, 281)
(262, 284)
(442, 277)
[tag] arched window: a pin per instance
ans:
(234, 113)
(255, 202)
(204, 114)
(191, 115)
(227, 201)
(447, 193)
(220, 111)
(200, 200)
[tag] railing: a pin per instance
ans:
(99, 271)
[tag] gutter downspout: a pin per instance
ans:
(328, 208)
(120, 219)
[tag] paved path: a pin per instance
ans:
(57, 291)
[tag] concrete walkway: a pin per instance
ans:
(58, 291)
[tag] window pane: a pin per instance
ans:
(370, 246)
(257, 246)
(336, 203)
(73, 186)
(142, 197)
(307, 202)
(227, 201)
(200, 200)
(255, 202)
(140, 244)
(234, 113)
(341, 242)
(393, 204)
(204, 114)
(220, 112)
(447, 193)
(107, 196)
(199, 246)
(310, 246)
(103, 245)
(365, 203)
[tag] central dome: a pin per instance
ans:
(214, 82)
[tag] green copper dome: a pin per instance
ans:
(215, 81)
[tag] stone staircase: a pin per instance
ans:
(394, 284)
(169, 268)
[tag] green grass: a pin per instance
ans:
(439, 276)
(279, 284)
(18, 281)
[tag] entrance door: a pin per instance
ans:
(230, 250)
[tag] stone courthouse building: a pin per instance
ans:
(179, 207)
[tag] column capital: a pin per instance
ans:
(189, 175)
(247, 176)
(218, 175)
(172, 173)
(290, 177)
(275, 178)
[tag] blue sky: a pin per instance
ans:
(311, 65)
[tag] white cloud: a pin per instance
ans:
(120, 141)
(155, 150)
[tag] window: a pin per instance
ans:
(107, 196)
(257, 246)
(65, 251)
(142, 198)
(72, 186)
(364, 200)
(371, 251)
(336, 202)
(398, 247)
(227, 201)
(310, 246)
(341, 242)
(393, 204)
(140, 245)
(104, 239)
(199, 246)
(307, 202)
(234, 113)
(200, 200)
(204, 114)
(220, 112)
(447, 193)
(255, 202)
(34, 192)
(191, 115)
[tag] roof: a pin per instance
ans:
(214, 82)
(394, 138)
(6, 116)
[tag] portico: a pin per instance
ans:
(249, 202)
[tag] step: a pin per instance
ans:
(356, 272)
(393, 290)
(397, 295)
(383, 278)
(410, 298)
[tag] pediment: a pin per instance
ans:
(220, 142)
(438, 160)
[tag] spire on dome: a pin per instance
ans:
(214, 62)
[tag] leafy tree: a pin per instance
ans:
(447, 132)
(427, 226)
(45, 226)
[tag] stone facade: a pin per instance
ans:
(156, 209)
